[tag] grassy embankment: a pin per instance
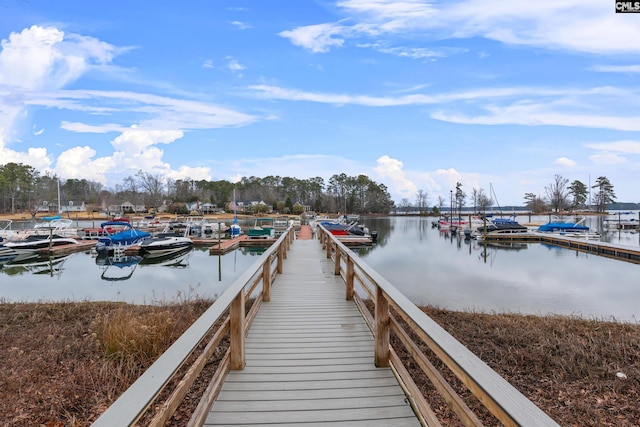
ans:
(64, 363)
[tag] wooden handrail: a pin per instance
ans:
(505, 402)
(135, 401)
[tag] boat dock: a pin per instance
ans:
(82, 245)
(294, 343)
(596, 247)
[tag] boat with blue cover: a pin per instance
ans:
(126, 236)
(499, 226)
(569, 229)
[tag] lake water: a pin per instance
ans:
(427, 265)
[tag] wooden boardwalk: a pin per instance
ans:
(309, 358)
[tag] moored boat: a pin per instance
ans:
(569, 229)
(499, 226)
(263, 229)
(35, 242)
(120, 240)
(166, 243)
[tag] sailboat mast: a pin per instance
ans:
(59, 205)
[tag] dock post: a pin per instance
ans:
(266, 281)
(236, 333)
(336, 268)
(382, 322)
(281, 256)
(349, 279)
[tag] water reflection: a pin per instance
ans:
(177, 259)
(117, 267)
(446, 270)
(430, 267)
(84, 276)
(33, 264)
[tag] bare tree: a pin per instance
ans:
(441, 202)
(153, 185)
(422, 200)
(534, 203)
(558, 193)
(484, 201)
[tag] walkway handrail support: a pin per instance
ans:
(504, 401)
(134, 402)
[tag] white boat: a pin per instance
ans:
(569, 229)
(6, 232)
(213, 230)
(61, 226)
(35, 242)
(53, 231)
(166, 243)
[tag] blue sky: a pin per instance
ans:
(417, 95)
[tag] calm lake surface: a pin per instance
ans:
(430, 267)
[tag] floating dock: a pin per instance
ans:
(609, 250)
(227, 245)
(68, 249)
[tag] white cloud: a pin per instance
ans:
(208, 63)
(234, 65)
(45, 58)
(187, 172)
(36, 157)
(534, 114)
(77, 163)
(616, 68)
(390, 169)
(86, 128)
(240, 25)
(134, 141)
(627, 146)
(589, 107)
(574, 25)
(605, 158)
(317, 38)
(565, 162)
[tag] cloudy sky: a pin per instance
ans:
(416, 94)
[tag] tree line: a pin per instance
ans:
(23, 188)
(560, 195)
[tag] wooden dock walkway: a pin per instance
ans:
(309, 358)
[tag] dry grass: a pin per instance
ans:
(64, 363)
(582, 372)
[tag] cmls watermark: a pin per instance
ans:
(628, 7)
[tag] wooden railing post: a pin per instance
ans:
(329, 247)
(349, 279)
(336, 268)
(266, 280)
(236, 332)
(281, 254)
(381, 357)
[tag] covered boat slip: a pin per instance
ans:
(309, 358)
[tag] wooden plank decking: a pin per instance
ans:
(309, 358)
